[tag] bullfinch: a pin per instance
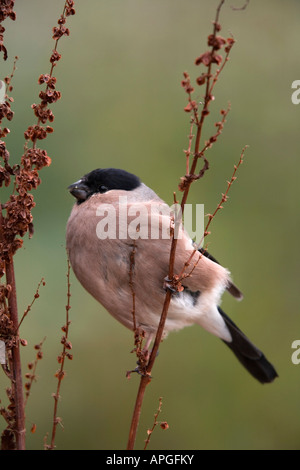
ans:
(114, 212)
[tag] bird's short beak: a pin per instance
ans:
(79, 190)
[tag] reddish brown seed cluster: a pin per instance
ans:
(61, 30)
(208, 78)
(18, 218)
(6, 11)
(207, 59)
(164, 425)
(32, 366)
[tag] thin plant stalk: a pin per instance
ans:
(18, 218)
(60, 374)
(190, 177)
(16, 369)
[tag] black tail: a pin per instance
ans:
(248, 354)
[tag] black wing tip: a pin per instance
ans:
(235, 291)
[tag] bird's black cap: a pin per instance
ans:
(101, 181)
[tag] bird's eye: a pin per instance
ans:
(103, 189)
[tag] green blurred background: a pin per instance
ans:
(122, 106)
